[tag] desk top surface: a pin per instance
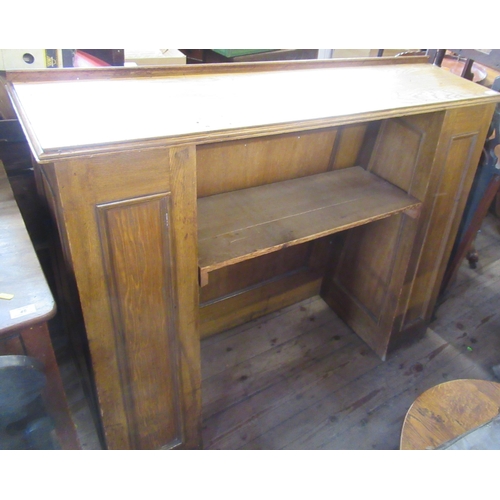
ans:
(80, 116)
(20, 273)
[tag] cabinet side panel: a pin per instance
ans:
(398, 169)
(456, 159)
(349, 142)
(364, 280)
(67, 298)
(365, 267)
(139, 303)
(136, 250)
(404, 152)
(404, 155)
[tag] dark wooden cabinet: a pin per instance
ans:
(192, 199)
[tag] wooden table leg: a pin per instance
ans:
(38, 344)
(468, 238)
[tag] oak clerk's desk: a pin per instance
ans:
(192, 199)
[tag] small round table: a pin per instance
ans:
(447, 411)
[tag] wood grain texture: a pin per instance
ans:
(349, 143)
(231, 280)
(136, 250)
(62, 113)
(132, 272)
(455, 162)
(359, 289)
(240, 225)
(431, 124)
(247, 290)
(365, 281)
(338, 395)
(200, 69)
(233, 165)
(257, 162)
(347, 399)
(185, 259)
(447, 411)
(411, 143)
(254, 302)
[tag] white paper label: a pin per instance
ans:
(22, 311)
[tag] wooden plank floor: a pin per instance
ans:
(300, 379)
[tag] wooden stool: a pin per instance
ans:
(447, 411)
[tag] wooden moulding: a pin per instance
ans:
(205, 105)
(201, 69)
(236, 226)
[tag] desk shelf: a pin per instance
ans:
(243, 224)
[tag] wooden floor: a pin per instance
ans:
(301, 379)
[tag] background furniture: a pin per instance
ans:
(197, 56)
(487, 180)
(483, 193)
(447, 411)
(25, 307)
(24, 423)
(138, 205)
(153, 57)
(30, 59)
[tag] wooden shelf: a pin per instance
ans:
(240, 225)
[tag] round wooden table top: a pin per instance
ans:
(447, 411)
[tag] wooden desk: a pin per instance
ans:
(24, 316)
(447, 411)
(161, 182)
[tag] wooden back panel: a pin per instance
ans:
(232, 165)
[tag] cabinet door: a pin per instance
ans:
(129, 221)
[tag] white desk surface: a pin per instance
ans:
(81, 113)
